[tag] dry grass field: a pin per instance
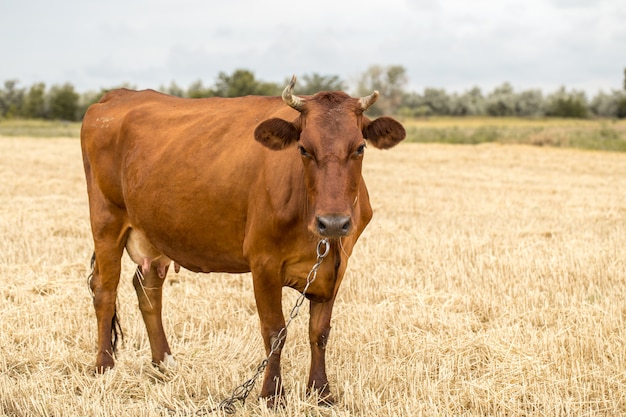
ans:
(491, 282)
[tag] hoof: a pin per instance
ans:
(104, 362)
(326, 401)
(274, 402)
(324, 397)
(101, 370)
(168, 364)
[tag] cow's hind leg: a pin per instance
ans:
(149, 285)
(103, 283)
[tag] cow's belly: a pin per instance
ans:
(194, 236)
(159, 251)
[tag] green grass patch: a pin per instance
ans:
(604, 135)
(39, 128)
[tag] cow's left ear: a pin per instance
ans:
(276, 134)
(384, 132)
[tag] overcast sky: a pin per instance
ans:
(450, 44)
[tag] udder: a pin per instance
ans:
(144, 254)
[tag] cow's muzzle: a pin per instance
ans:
(333, 225)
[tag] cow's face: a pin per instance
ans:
(330, 137)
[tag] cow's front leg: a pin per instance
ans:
(319, 329)
(268, 295)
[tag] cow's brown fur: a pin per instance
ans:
(189, 177)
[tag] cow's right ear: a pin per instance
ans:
(276, 134)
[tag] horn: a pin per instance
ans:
(291, 100)
(366, 102)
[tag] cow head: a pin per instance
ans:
(330, 135)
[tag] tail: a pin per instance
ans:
(116, 328)
(92, 265)
(116, 331)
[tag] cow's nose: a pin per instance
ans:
(334, 225)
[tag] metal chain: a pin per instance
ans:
(242, 392)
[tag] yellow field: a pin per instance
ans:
(492, 281)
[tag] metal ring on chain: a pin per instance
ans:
(326, 248)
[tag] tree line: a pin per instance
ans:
(63, 102)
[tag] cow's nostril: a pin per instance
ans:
(334, 225)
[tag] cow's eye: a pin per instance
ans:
(304, 152)
(360, 150)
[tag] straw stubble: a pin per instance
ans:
(490, 282)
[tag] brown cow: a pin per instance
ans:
(236, 185)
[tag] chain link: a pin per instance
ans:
(241, 393)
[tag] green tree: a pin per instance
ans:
(567, 104)
(64, 102)
(313, 83)
(242, 82)
(501, 101)
(607, 105)
(173, 90)
(413, 106)
(390, 82)
(470, 103)
(621, 108)
(11, 99)
(438, 101)
(197, 90)
(34, 106)
(529, 103)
